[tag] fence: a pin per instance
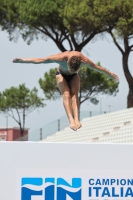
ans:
(55, 126)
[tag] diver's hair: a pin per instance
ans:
(74, 63)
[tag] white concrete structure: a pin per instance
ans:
(89, 162)
(114, 127)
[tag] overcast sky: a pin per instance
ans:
(11, 74)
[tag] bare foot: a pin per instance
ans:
(78, 124)
(73, 126)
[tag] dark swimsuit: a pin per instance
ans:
(67, 77)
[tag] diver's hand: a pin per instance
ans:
(113, 76)
(18, 60)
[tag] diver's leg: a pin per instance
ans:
(74, 86)
(65, 91)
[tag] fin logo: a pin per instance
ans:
(51, 189)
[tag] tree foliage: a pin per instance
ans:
(117, 16)
(18, 102)
(73, 21)
(49, 86)
(70, 21)
(92, 83)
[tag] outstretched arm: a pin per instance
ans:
(100, 69)
(57, 58)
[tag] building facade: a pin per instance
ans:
(12, 134)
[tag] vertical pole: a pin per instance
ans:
(100, 105)
(6, 127)
(58, 124)
(109, 108)
(40, 133)
(90, 113)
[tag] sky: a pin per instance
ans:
(12, 74)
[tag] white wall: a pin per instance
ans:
(26, 159)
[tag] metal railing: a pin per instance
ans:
(55, 126)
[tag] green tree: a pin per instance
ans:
(60, 20)
(49, 86)
(92, 84)
(73, 21)
(18, 102)
(117, 17)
